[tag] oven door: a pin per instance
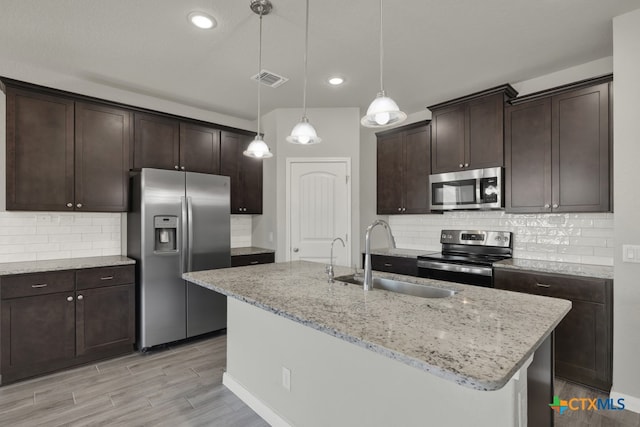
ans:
(460, 273)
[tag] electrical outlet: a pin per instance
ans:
(286, 379)
(630, 253)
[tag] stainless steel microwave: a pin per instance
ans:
(471, 189)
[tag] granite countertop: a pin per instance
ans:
(8, 268)
(478, 338)
(404, 253)
(574, 269)
(250, 250)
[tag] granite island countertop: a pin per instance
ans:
(8, 268)
(478, 338)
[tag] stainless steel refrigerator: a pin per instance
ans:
(178, 222)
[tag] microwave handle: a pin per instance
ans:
(478, 190)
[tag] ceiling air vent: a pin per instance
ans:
(270, 79)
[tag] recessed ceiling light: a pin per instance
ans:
(336, 81)
(202, 20)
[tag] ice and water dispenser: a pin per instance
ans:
(165, 233)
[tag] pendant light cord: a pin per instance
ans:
(381, 49)
(306, 49)
(259, 69)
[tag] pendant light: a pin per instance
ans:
(383, 111)
(304, 133)
(258, 148)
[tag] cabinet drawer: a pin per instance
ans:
(105, 276)
(391, 264)
(553, 285)
(241, 260)
(31, 284)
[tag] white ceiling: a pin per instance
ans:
(434, 50)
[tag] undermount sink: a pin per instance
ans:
(413, 289)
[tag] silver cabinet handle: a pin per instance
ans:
(253, 262)
(466, 165)
(461, 165)
(42, 285)
(69, 299)
(404, 209)
(399, 209)
(182, 168)
(295, 249)
(244, 209)
(239, 209)
(176, 167)
(80, 297)
(546, 206)
(106, 278)
(542, 285)
(386, 264)
(69, 205)
(555, 205)
(79, 205)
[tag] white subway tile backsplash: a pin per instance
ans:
(580, 238)
(31, 236)
(241, 226)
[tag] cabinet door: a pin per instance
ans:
(38, 334)
(157, 142)
(448, 139)
(102, 158)
(39, 151)
(245, 173)
(105, 318)
(389, 174)
(199, 149)
(485, 141)
(417, 167)
(528, 157)
(580, 124)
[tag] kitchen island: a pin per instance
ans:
(302, 351)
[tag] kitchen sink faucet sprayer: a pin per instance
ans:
(330, 266)
(368, 275)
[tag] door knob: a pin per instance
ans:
(547, 206)
(69, 205)
(461, 165)
(176, 167)
(295, 249)
(555, 205)
(80, 297)
(466, 165)
(79, 205)
(69, 299)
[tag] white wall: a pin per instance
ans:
(339, 129)
(626, 154)
(27, 236)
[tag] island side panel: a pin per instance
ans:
(334, 382)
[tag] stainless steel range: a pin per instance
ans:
(467, 256)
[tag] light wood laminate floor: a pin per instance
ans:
(180, 386)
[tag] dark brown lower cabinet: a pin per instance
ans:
(252, 259)
(51, 321)
(394, 264)
(583, 339)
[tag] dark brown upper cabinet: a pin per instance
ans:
(245, 173)
(63, 154)
(558, 150)
(467, 132)
(167, 143)
(403, 167)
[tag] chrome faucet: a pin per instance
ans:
(368, 275)
(329, 268)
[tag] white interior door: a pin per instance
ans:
(319, 210)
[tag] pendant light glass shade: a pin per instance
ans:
(304, 133)
(258, 148)
(383, 111)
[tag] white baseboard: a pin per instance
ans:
(265, 412)
(631, 403)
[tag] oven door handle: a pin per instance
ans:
(457, 268)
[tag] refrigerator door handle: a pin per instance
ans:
(190, 236)
(184, 253)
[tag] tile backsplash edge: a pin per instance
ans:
(577, 238)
